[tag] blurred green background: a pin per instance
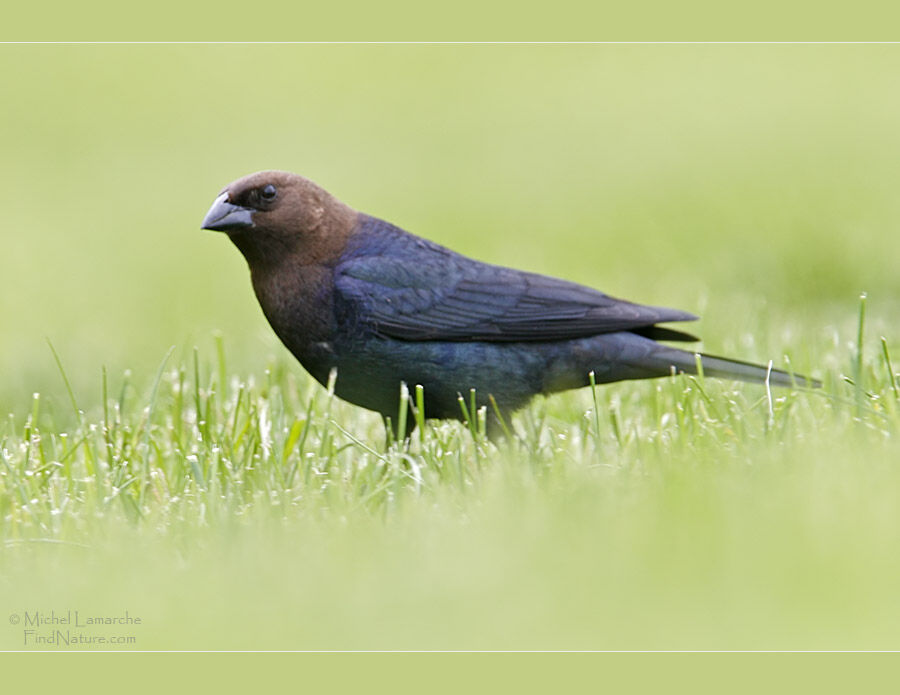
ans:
(745, 182)
(752, 184)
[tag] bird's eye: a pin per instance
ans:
(268, 192)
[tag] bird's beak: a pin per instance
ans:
(224, 216)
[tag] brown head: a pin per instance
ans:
(273, 215)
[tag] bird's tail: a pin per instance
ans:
(723, 367)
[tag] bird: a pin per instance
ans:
(347, 291)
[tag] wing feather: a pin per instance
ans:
(445, 296)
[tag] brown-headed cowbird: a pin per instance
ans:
(348, 291)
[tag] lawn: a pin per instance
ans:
(164, 456)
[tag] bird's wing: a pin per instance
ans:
(450, 297)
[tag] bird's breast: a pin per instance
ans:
(298, 302)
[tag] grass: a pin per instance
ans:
(261, 512)
(230, 502)
(199, 432)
